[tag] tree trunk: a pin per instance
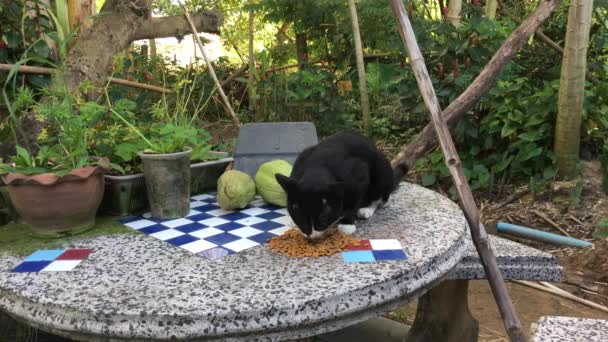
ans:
(252, 87)
(572, 88)
(301, 49)
(90, 58)
(360, 68)
(454, 7)
(491, 6)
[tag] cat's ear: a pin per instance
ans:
(288, 184)
(337, 189)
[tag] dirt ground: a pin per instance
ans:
(530, 304)
(586, 268)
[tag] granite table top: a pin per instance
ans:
(135, 287)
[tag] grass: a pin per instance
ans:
(16, 240)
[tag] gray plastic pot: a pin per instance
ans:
(168, 183)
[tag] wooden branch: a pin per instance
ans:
(210, 66)
(549, 221)
(177, 26)
(426, 139)
(559, 292)
(452, 160)
(47, 71)
(237, 73)
(513, 197)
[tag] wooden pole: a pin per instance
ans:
(210, 66)
(47, 71)
(360, 67)
(252, 87)
(452, 160)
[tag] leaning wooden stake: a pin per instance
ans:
(208, 62)
(450, 155)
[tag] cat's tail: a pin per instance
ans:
(398, 173)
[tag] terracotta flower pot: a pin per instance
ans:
(53, 205)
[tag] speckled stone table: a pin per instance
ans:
(569, 329)
(135, 287)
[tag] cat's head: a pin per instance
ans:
(314, 208)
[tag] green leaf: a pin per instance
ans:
(428, 179)
(24, 157)
(530, 136)
(507, 130)
(601, 231)
(127, 151)
(535, 152)
(41, 49)
(549, 173)
(436, 157)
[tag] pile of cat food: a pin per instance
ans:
(292, 243)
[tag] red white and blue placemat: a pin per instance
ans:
(213, 232)
(374, 250)
(52, 260)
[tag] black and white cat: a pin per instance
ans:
(336, 181)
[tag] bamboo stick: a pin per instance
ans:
(559, 292)
(548, 220)
(480, 238)
(210, 65)
(26, 69)
(360, 67)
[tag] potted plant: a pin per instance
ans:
(173, 129)
(125, 192)
(58, 189)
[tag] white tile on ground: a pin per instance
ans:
(176, 223)
(212, 222)
(167, 234)
(206, 232)
(249, 221)
(279, 231)
(147, 215)
(139, 224)
(198, 246)
(246, 232)
(284, 220)
(240, 245)
(254, 211)
(61, 266)
(219, 212)
(385, 244)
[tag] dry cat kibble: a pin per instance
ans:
(292, 243)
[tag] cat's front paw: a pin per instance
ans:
(348, 229)
(365, 213)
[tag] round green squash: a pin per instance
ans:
(266, 182)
